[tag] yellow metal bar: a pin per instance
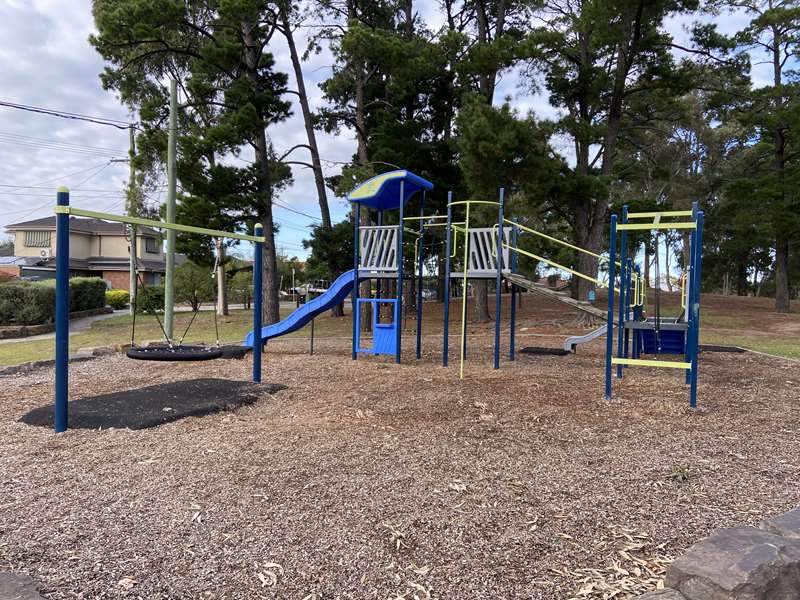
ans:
(683, 291)
(468, 202)
(464, 294)
(646, 226)
(600, 257)
(665, 213)
(424, 218)
(557, 265)
(442, 224)
(640, 362)
(80, 212)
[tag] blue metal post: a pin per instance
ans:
(637, 315)
(694, 306)
(513, 324)
(498, 297)
(691, 284)
(62, 313)
(628, 308)
(399, 304)
(447, 251)
(623, 253)
(354, 294)
(420, 265)
(611, 275)
(258, 296)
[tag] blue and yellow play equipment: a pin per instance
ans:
(638, 334)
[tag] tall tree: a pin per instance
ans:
(597, 57)
(220, 50)
(771, 112)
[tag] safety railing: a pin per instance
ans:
(378, 247)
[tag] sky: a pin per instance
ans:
(46, 61)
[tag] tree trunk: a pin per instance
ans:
(222, 289)
(316, 165)
(481, 287)
(782, 303)
(271, 306)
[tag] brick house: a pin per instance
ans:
(97, 249)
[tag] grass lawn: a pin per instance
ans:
(726, 320)
(117, 330)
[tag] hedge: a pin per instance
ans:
(34, 303)
(85, 293)
(117, 299)
(150, 299)
(27, 303)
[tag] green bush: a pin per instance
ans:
(150, 299)
(27, 303)
(85, 293)
(117, 299)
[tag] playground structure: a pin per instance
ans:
(486, 253)
(493, 253)
(172, 351)
(638, 334)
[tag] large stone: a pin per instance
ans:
(786, 525)
(741, 563)
(665, 594)
(17, 586)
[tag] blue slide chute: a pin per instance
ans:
(336, 294)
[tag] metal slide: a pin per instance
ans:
(336, 294)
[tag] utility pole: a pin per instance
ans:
(133, 211)
(172, 178)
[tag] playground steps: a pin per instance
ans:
(562, 297)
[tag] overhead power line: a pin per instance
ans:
(67, 115)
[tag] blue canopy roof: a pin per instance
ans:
(382, 192)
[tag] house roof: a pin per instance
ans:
(382, 192)
(95, 226)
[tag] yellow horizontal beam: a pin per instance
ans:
(665, 213)
(474, 202)
(93, 214)
(424, 218)
(646, 226)
(640, 362)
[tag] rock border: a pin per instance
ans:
(82, 355)
(739, 563)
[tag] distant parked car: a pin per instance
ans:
(429, 294)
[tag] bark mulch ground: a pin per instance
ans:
(373, 480)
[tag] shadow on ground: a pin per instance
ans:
(155, 405)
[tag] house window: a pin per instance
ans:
(150, 245)
(37, 239)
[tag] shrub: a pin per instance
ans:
(150, 299)
(117, 299)
(26, 303)
(193, 285)
(85, 293)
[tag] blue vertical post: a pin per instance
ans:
(628, 303)
(637, 315)
(513, 324)
(694, 306)
(62, 312)
(420, 265)
(447, 251)
(623, 254)
(612, 251)
(498, 297)
(258, 296)
(690, 284)
(399, 304)
(354, 295)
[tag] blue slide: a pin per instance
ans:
(336, 294)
